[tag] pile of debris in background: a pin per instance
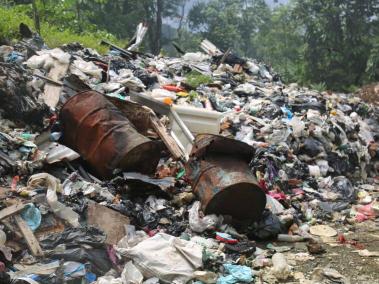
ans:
(129, 168)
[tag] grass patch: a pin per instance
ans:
(52, 35)
(195, 79)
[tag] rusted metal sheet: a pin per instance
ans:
(220, 176)
(104, 137)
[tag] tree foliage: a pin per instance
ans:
(331, 43)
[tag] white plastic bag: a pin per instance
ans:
(80, 66)
(131, 239)
(171, 259)
(131, 274)
(162, 93)
(198, 224)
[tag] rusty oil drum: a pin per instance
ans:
(220, 176)
(104, 137)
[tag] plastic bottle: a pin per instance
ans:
(290, 238)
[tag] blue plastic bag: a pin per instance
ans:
(238, 273)
(32, 216)
(287, 112)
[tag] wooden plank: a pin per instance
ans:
(170, 143)
(29, 237)
(108, 220)
(225, 56)
(11, 210)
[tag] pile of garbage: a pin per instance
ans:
(132, 168)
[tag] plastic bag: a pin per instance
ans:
(344, 188)
(131, 274)
(53, 186)
(131, 239)
(245, 89)
(171, 259)
(198, 224)
(267, 227)
(109, 280)
(32, 216)
(88, 68)
(274, 205)
(238, 274)
(73, 270)
(161, 93)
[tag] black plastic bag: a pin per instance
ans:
(268, 227)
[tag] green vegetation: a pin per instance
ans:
(195, 79)
(53, 35)
(329, 44)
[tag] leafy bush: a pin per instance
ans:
(320, 87)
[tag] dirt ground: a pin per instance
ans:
(342, 257)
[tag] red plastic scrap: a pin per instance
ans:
(173, 88)
(342, 240)
(225, 238)
(15, 180)
(277, 195)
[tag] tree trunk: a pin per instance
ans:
(150, 23)
(179, 29)
(37, 24)
(158, 30)
(79, 16)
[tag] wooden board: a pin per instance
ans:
(108, 220)
(11, 210)
(29, 237)
(170, 143)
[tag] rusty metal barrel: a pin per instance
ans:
(220, 176)
(104, 137)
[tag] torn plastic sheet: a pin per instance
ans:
(139, 180)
